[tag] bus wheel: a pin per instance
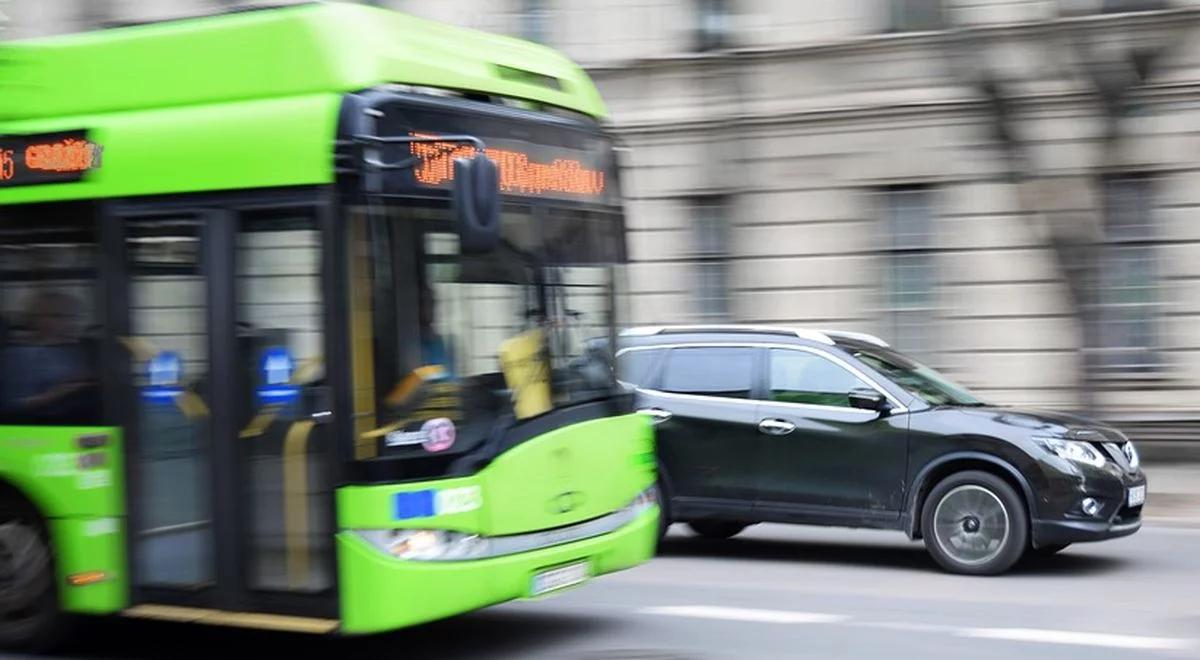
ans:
(29, 614)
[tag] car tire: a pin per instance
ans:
(1048, 550)
(974, 523)
(30, 619)
(716, 529)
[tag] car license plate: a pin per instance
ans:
(1137, 495)
(559, 578)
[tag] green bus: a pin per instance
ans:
(302, 315)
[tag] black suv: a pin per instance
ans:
(835, 428)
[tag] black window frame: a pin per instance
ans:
(768, 390)
(657, 359)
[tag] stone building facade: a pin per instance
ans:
(839, 163)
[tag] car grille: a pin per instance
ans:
(1117, 453)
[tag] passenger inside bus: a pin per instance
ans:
(47, 369)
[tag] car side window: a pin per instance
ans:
(635, 366)
(802, 377)
(710, 371)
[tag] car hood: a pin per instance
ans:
(1045, 422)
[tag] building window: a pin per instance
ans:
(710, 248)
(909, 274)
(915, 15)
(534, 19)
(95, 14)
(1128, 276)
(712, 24)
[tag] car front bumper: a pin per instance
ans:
(1060, 532)
(1063, 522)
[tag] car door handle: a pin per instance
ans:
(658, 414)
(776, 427)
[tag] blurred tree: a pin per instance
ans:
(1115, 60)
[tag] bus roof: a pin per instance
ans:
(283, 51)
(250, 99)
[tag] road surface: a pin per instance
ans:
(788, 592)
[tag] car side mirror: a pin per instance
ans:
(476, 199)
(868, 399)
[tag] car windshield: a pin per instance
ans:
(917, 378)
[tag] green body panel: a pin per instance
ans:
(85, 508)
(91, 544)
(607, 461)
(380, 593)
(248, 144)
(249, 100)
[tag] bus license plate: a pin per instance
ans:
(559, 578)
(1137, 495)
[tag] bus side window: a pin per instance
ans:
(47, 279)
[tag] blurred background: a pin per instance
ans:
(1007, 188)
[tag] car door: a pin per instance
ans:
(706, 426)
(824, 460)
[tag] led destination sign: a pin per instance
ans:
(48, 158)
(536, 155)
(520, 174)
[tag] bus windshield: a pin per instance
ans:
(465, 344)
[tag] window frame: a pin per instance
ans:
(862, 378)
(95, 279)
(1114, 358)
(753, 393)
(900, 249)
(899, 406)
(656, 361)
(897, 22)
(710, 238)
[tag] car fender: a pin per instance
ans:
(913, 521)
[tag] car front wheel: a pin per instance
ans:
(974, 523)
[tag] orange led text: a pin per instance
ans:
(518, 174)
(68, 155)
(8, 167)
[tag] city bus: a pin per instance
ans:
(296, 319)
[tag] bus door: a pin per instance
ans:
(230, 447)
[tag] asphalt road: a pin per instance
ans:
(785, 592)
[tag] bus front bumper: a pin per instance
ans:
(381, 593)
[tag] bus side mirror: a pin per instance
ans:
(476, 200)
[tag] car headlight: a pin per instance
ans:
(1074, 450)
(426, 544)
(1131, 454)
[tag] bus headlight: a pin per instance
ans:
(644, 500)
(426, 544)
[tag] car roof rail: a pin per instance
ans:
(859, 336)
(802, 333)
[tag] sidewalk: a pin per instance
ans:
(1173, 493)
